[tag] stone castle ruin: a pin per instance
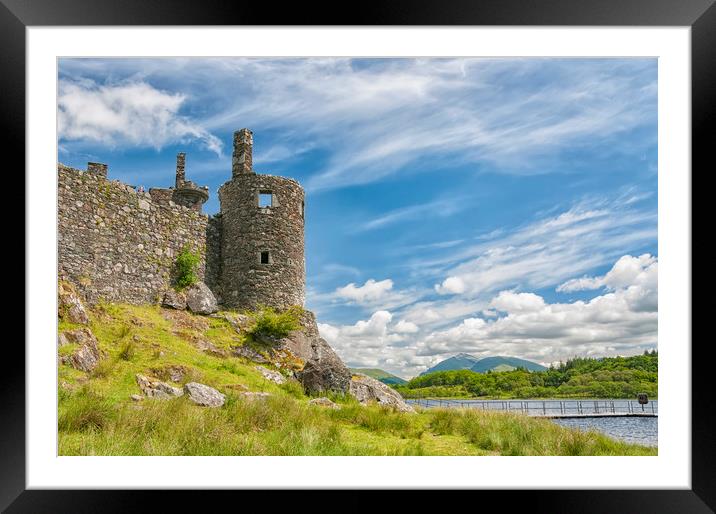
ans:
(118, 243)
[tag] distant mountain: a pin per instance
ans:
(379, 374)
(499, 363)
(504, 364)
(459, 361)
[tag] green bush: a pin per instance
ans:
(268, 323)
(185, 268)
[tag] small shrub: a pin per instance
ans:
(185, 268)
(271, 324)
(128, 350)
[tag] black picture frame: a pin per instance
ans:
(699, 15)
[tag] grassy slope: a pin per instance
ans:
(97, 417)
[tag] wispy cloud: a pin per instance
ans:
(133, 113)
(400, 116)
(436, 209)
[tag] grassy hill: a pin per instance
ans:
(379, 374)
(98, 417)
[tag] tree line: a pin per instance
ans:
(579, 377)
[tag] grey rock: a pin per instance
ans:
(204, 395)
(200, 299)
(248, 353)
(87, 356)
(157, 389)
(273, 376)
(137, 397)
(174, 299)
(70, 305)
(324, 402)
(323, 369)
(368, 390)
(211, 348)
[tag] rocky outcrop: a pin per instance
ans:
(248, 353)
(174, 299)
(70, 307)
(200, 299)
(211, 349)
(324, 402)
(273, 376)
(323, 369)
(368, 390)
(157, 389)
(204, 395)
(87, 355)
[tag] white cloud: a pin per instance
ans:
(405, 327)
(368, 292)
(451, 285)
(508, 301)
(133, 113)
(626, 271)
(622, 321)
(545, 252)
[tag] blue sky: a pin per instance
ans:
(492, 206)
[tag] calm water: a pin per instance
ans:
(640, 430)
(631, 430)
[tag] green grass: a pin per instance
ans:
(97, 416)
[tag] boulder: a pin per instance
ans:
(174, 299)
(156, 389)
(204, 395)
(87, 356)
(324, 402)
(323, 369)
(200, 299)
(321, 375)
(273, 376)
(70, 306)
(367, 390)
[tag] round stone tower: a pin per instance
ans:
(262, 248)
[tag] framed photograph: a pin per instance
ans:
(420, 248)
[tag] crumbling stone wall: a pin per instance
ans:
(117, 244)
(248, 230)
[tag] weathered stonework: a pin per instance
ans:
(117, 244)
(120, 244)
(249, 230)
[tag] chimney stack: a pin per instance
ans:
(181, 175)
(241, 161)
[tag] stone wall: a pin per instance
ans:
(118, 244)
(212, 276)
(248, 230)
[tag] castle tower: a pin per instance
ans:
(262, 249)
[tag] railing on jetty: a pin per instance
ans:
(548, 408)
